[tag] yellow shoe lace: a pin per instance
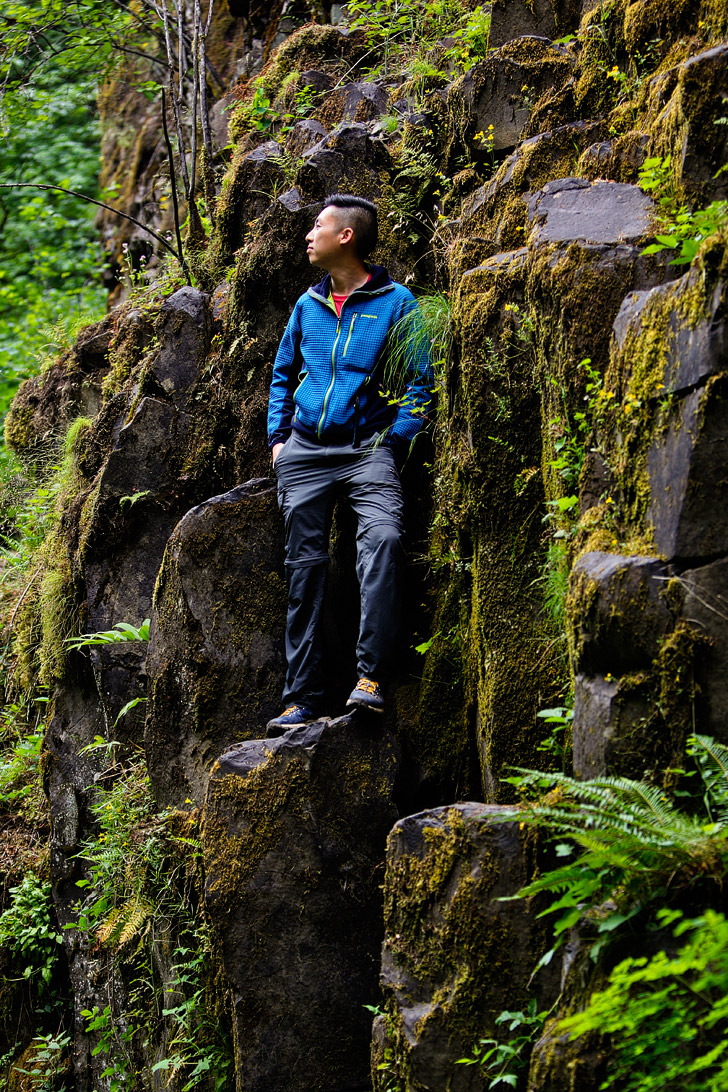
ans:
(368, 686)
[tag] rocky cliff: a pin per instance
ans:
(566, 529)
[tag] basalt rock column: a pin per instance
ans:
(216, 661)
(454, 955)
(294, 837)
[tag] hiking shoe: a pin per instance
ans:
(367, 695)
(295, 716)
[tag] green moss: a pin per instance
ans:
(639, 379)
(260, 801)
(19, 427)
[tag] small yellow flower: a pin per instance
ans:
(609, 501)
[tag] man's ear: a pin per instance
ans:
(346, 235)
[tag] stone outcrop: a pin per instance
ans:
(455, 955)
(293, 840)
(215, 663)
(646, 654)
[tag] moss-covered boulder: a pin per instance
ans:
(294, 836)
(215, 663)
(454, 956)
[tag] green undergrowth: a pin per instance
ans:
(36, 562)
(636, 864)
(139, 906)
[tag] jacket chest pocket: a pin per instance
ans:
(365, 327)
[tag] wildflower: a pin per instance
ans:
(609, 501)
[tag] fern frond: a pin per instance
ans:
(136, 916)
(712, 763)
(106, 930)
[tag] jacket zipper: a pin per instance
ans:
(355, 441)
(351, 331)
(333, 377)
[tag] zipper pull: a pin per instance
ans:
(355, 441)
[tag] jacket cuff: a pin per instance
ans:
(278, 437)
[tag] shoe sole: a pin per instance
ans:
(272, 731)
(353, 703)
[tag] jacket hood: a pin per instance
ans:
(380, 279)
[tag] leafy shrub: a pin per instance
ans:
(28, 930)
(667, 1016)
(637, 845)
(682, 229)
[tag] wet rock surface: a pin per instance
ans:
(294, 838)
(597, 212)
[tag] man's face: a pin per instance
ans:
(326, 238)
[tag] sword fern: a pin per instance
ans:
(636, 843)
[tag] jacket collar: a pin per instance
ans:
(380, 282)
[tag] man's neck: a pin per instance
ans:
(347, 277)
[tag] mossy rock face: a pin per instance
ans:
(348, 160)
(489, 641)
(688, 127)
(562, 1064)
(621, 610)
(45, 405)
(667, 378)
(294, 834)
(498, 209)
(216, 663)
(454, 957)
(251, 180)
(489, 107)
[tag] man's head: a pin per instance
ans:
(345, 224)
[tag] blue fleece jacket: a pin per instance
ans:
(331, 380)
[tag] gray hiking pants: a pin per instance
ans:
(310, 478)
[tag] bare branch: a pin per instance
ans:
(173, 180)
(173, 96)
(197, 18)
(101, 205)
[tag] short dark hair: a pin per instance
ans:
(361, 217)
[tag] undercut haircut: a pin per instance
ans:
(361, 216)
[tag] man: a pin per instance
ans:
(335, 430)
